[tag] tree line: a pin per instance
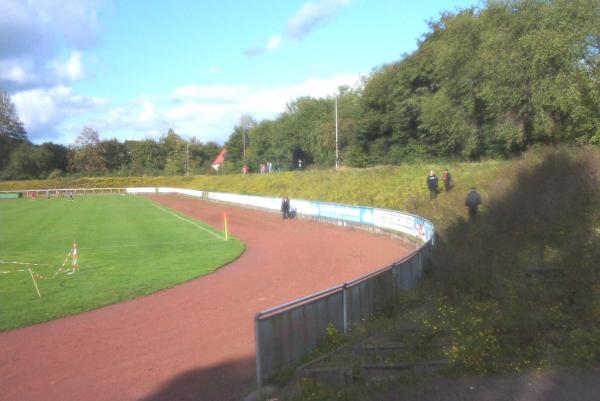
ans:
(91, 156)
(488, 81)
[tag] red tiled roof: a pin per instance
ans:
(220, 159)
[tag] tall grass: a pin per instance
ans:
(523, 279)
(543, 215)
(398, 187)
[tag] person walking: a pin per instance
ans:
(285, 207)
(432, 184)
(447, 178)
(472, 202)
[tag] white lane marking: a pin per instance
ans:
(188, 221)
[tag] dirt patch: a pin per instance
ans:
(195, 341)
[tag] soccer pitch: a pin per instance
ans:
(127, 246)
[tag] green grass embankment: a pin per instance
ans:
(395, 187)
(518, 288)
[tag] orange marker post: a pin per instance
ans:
(225, 225)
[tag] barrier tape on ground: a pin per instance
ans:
(23, 263)
(72, 256)
(13, 271)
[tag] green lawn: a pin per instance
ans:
(128, 246)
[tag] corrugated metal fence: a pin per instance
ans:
(286, 333)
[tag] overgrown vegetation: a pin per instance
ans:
(521, 283)
(517, 288)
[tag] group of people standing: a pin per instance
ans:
(432, 183)
(472, 201)
(266, 167)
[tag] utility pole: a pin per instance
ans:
(187, 159)
(244, 139)
(337, 154)
(245, 122)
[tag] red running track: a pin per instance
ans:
(195, 341)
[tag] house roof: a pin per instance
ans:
(220, 159)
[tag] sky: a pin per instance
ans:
(132, 69)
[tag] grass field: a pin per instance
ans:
(127, 246)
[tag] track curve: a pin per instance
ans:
(195, 341)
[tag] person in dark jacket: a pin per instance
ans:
(285, 207)
(473, 201)
(432, 185)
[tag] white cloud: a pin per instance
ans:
(34, 33)
(72, 69)
(138, 119)
(274, 42)
(148, 112)
(18, 72)
(266, 45)
(312, 14)
(210, 93)
(210, 112)
(15, 73)
(43, 110)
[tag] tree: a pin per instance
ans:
(12, 131)
(487, 81)
(202, 155)
(115, 155)
(50, 157)
(87, 156)
(146, 157)
(175, 149)
(10, 124)
(21, 164)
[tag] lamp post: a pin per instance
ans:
(337, 154)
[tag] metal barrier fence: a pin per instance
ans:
(286, 333)
(66, 191)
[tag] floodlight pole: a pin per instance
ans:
(336, 135)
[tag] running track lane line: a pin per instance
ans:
(188, 221)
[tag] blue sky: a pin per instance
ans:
(133, 69)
